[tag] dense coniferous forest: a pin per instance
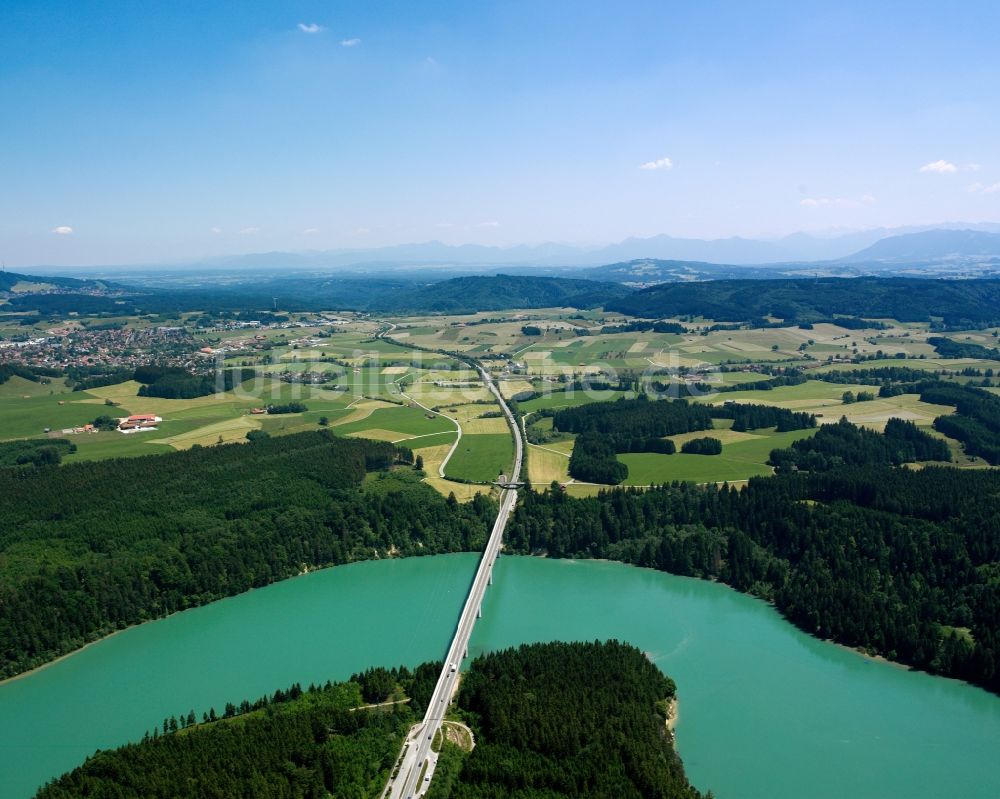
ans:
(91, 548)
(845, 444)
(551, 720)
(625, 420)
(624, 425)
(751, 416)
(169, 382)
(949, 348)
(902, 563)
(296, 745)
(568, 720)
(976, 421)
(702, 446)
(34, 451)
(594, 460)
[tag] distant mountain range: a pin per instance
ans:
(930, 245)
(796, 248)
(797, 253)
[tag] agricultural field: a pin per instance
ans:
(379, 389)
(744, 455)
(481, 457)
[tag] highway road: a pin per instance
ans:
(417, 760)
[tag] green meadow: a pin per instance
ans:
(739, 460)
(481, 457)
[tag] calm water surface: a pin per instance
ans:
(765, 710)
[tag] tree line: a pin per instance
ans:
(606, 429)
(846, 444)
(624, 425)
(170, 382)
(976, 421)
(100, 546)
(899, 562)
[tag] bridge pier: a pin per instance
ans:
(491, 578)
(479, 612)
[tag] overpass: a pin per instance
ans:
(415, 766)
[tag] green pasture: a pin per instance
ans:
(739, 460)
(404, 420)
(481, 457)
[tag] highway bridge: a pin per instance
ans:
(415, 767)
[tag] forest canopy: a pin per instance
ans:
(91, 548)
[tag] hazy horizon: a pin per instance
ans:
(145, 135)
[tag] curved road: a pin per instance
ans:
(416, 763)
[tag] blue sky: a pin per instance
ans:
(166, 130)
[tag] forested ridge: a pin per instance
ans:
(91, 548)
(567, 720)
(959, 302)
(902, 563)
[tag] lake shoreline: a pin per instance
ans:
(305, 571)
(754, 688)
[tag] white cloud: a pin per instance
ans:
(62, 230)
(979, 188)
(362, 231)
(249, 231)
(215, 231)
(350, 42)
(837, 202)
(488, 224)
(312, 27)
(310, 231)
(972, 167)
(941, 167)
(659, 163)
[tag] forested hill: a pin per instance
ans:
(565, 720)
(905, 299)
(470, 294)
(86, 549)
(10, 280)
(455, 295)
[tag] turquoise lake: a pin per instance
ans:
(765, 710)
